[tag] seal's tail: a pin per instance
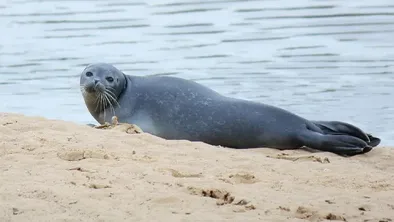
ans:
(338, 137)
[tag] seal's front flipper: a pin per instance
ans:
(345, 145)
(341, 128)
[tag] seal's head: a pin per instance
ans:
(101, 85)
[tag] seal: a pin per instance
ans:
(179, 109)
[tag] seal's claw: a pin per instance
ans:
(115, 120)
(105, 125)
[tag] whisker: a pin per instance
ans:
(112, 105)
(106, 99)
(97, 101)
(83, 92)
(103, 105)
(112, 97)
(110, 92)
(82, 89)
(97, 97)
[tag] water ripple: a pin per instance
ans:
(187, 11)
(72, 21)
(189, 25)
(99, 27)
(285, 9)
(63, 13)
(324, 16)
(252, 39)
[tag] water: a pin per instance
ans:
(325, 60)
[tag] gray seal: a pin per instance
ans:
(175, 108)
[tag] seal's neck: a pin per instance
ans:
(124, 86)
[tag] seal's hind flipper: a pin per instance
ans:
(341, 128)
(345, 145)
(373, 141)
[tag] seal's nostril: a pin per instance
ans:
(96, 81)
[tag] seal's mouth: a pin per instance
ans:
(94, 86)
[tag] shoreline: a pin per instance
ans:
(53, 169)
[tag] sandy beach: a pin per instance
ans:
(54, 170)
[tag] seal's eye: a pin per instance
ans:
(109, 79)
(88, 74)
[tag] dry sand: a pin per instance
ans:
(62, 171)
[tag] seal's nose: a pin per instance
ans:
(96, 81)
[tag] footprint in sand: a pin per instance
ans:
(312, 158)
(314, 215)
(178, 174)
(167, 200)
(223, 198)
(98, 186)
(143, 158)
(76, 155)
(244, 178)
